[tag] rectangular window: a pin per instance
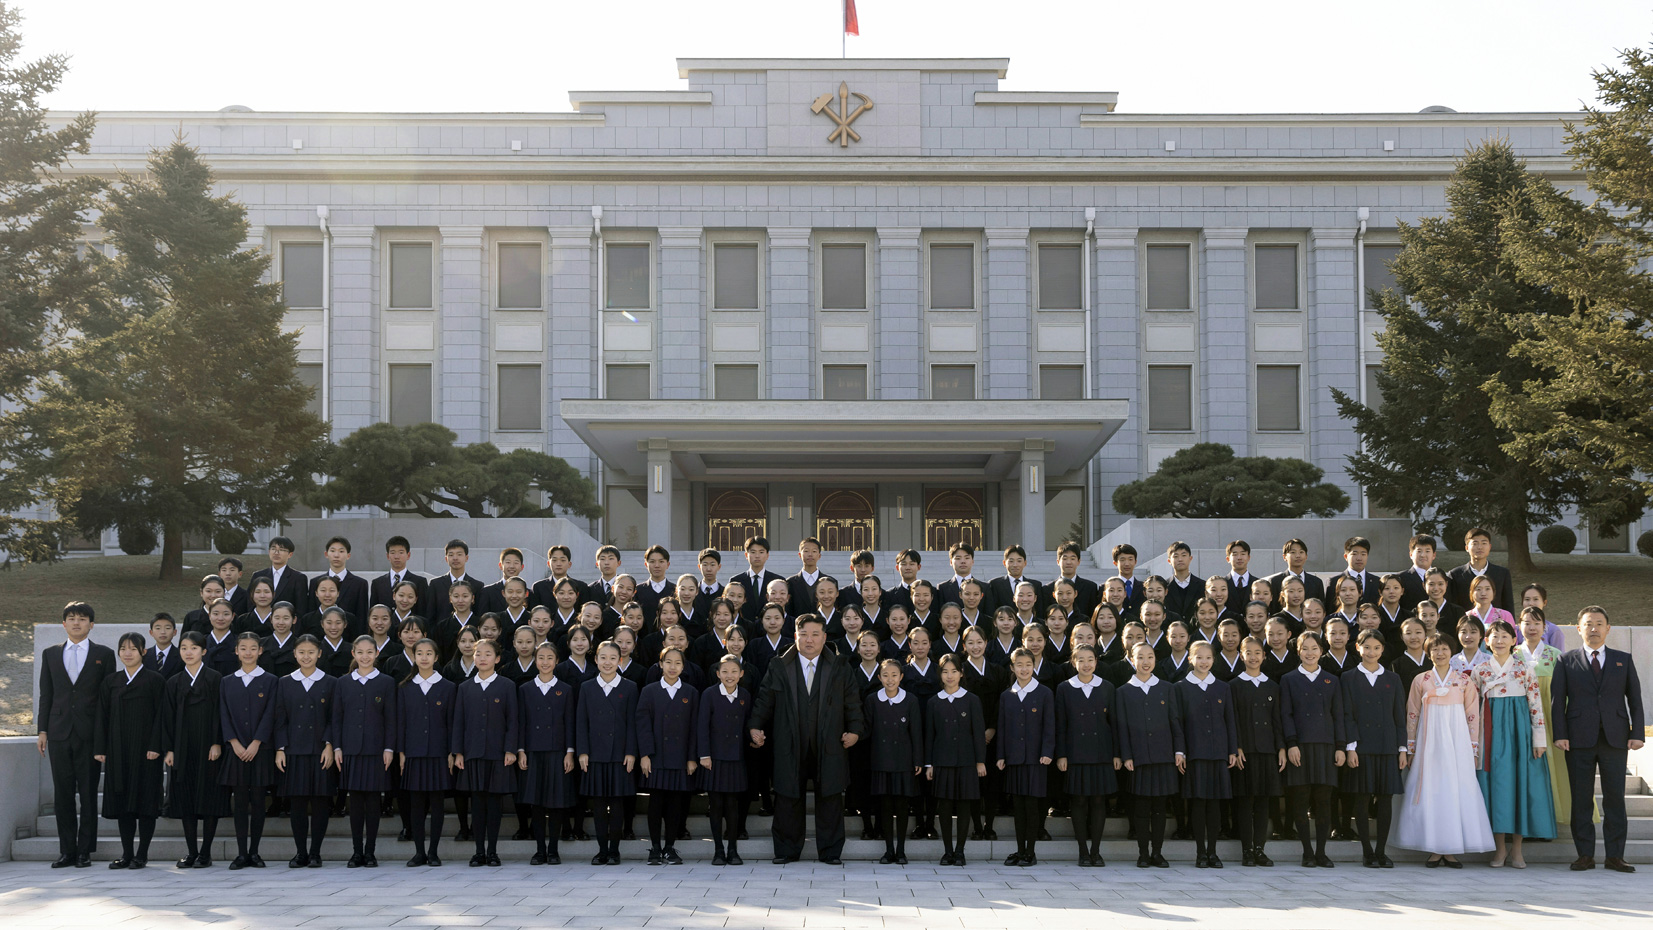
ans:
(952, 277)
(1374, 397)
(1278, 400)
(1167, 287)
(952, 382)
(1276, 268)
(410, 276)
(844, 382)
(301, 275)
(520, 277)
(1170, 398)
(735, 277)
(628, 382)
(628, 276)
(309, 375)
(1061, 382)
(844, 277)
(1378, 275)
(519, 397)
(410, 402)
(735, 382)
(1061, 277)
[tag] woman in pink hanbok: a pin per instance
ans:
(1443, 812)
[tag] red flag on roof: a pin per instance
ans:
(851, 26)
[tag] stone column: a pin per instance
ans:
(659, 484)
(898, 318)
(791, 329)
(1032, 491)
(462, 383)
(1116, 353)
(1333, 359)
(352, 359)
(1225, 395)
(682, 338)
(1007, 317)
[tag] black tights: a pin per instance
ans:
(1383, 805)
(209, 829)
(143, 828)
(606, 814)
(420, 806)
(1030, 819)
(364, 821)
(1251, 821)
(1205, 815)
(668, 812)
(1090, 818)
(726, 810)
(544, 822)
(946, 810)
(490, 810)
(309, 819)
(462, 810)
(1304, 800)
(1149, 817)
(893, 814)
(247, 806)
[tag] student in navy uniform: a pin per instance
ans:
(895, 731)
(399, 663)
(127, 742)
(191, 741)
(309, 779)
(921, 678)
(221, 638)
(987, 681)
(276, 647)
(210, 589)
(353, 588)
(756, 578)
(483, 742)
(256, 618)
(558, 560)
(518, 666)
(1085, 752)
(1374, 720)
(863, 669)
(425, 704)
(383, 587)
(605, 736)
(247, 712)
(667, 713)
(720, 734)
(1210, 735)
(289, 583)
(1027, 746)
(1230, 661)
(1311, 715)
(1280, 658)
(1261, 755)
(545, 753)
(1149, 737)
(66, 716)
(955, 755)
(364, 746)
(335, 659)
(457, 553)
(163, 656)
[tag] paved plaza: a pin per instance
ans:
(802, 895)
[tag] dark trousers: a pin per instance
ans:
(788, 827)
(75, 778)
(1581, 776)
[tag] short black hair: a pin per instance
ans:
(1356, 542)
(1239, 544)
(608, 550)
(162, 615)
(814, 619)
(511, 550)
(913, 555)
(81, 608)
(567, 553)
(710, 553)
(963, 547)
(1067, 547)
(862, 557)
(282, 542)
(652, 550)
(1123, 549)
(336, 539)
(1016, 550)
(459, 544)
(231, 560)
(756, 542)
(395, 541)
(1178, 546)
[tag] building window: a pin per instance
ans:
(735, 277)
(521, 285)
(1276, 271)
(1278, 400)
(952, 382)
(301, 275)
(628, 276)
(952, 277)
(843, 277)
(735, 382)
(1061, 277)
(1167, 286)
(1374, 397)
(1378, 276)
(1061, 382)
(519, 397)
(410, 402)
(1170, 398)
(410, 276)
(628, 382)
(309, 375)
(844, 382)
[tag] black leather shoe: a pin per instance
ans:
(1212, 862)
(1248, 858)
(717, 859)
(255, 860)
(494, 863)
(1308, 860)
(599, 859)
(613, 859)
(85, 862)
(63, 862)
(1453, 863)
(479, 861)
(655, 858)
(536, 859)
(1384, 862)
(315, 862)
(834, 860)
(433, 861)
(1013, 859)
(188, 862)
(1199, 861)
(298, 862)
(138, 862)
(238, 863)
(1142, 862)
(783, 860)
(672, 858)
(368, 862)
(1029, 859)
(355, 862)
(1158, 861)
(1264, 861)
(1432, 863)
(1324, 861)
(120, 863)
(553, 859)
(418, 859)
(203, 861)
(734, 858)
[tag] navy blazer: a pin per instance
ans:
(666, 726)
(1257, 719)
(545, 722)
(1311, 711)
(721, 724)
(173, 665)
(605, 726)
(895, 732)
(294, 588)
(485, 719)
(436, 596)
(1209, 730)
(1146, 725)
(353, 593)
(424, 721)
(1374, 716)
(1084, 725)
(303, 717)
(246, 712)
(955, 732)
(1027, 727)
(364, 715)
(1585, 710)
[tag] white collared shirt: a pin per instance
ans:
(315, 676)
(1021, 692)
(426, 683)
(161, 654)
(247, 677)
(1371, 677)
(1086, 687)
(884, 696)
(275, 576)
(608, 686)
(671, 689)
(1239, 580)
(1303, 670)
(1599, 654)
(74, 658)
(1201, 683)
(728, 692)
(1257, 679)
(545, 686)
(340, 576)
(810, 577)
(1141, 685)
(357, 675)
(960, 580)
(485, 682)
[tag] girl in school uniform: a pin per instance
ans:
(276, 646)
(220, 655)
(630, 667)
(1027, 746)
(247, 711)
(1085, 752)
(304, 708)
(381, 628)
(1149, 740)
(1260, 755)
(676, 638)
(1346, 600)
(605, 737)
(1413, 660)
(577, 668)
(483, 743)
(1006, 637)
(1339, 657)
(491, 629)
(1211, 735)
(1034, 640)
(404, 600)
(425, 706)
(1230, 661)
(950, 641)
(364, 746)
(335, 661)
(868, 653)
(1374, 720)
(257, 617)
(1443, 812)
(400, 663)
(1311, 713)
(921, 678)
(1058, 648)
(955, 752)
(1207, 621)
(126, 741)
(735, 642)
(1471, 654)
(327, 597)
(192, 736)
(1176, 661)
(895, 732)
(721, 735)
(1513, 774)
(857, 797)
(667, 711)
(545, 753)
(853, 623)
(461, 667)
(987, 681)
(520, 666)
(1280, 657)
(896, 645)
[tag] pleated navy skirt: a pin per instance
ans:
(1026, 780)
(607, 780)
(1091, 779)
(545, 784)
(902, 784)
(1207, 779)
(724, 777)
(667, 780)
(956, 783)
(1259, 779)
(1154, 780)
(1378, 773)
(364, 773)
(489, 776)
(427, 773)
(1318, 768)
(305, 778)
(260, 772)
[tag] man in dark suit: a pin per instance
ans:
(1478, 543)
(801, 587)
(1239, 574)
(1597, 719)
(230, 569)
(1001, 591)
(289, 583)
(1357, 550)
(756, 578)
(1087, 594)
(353, 590)
(1183, 589)
(810, 707)
(437, 606)
(908, 562)
(493, 595)
(397, 552)
(71, 676)
(1296, 555)
(963, 558)
(1414, 581)
(656, 587)
(558, 560)
(163, 657)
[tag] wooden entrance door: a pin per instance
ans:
(734, 515)
(951, 516)
(844, 518)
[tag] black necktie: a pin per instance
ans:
(1595, 665)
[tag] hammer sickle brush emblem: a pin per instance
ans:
(843, 116)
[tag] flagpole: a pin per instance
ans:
(843, 29)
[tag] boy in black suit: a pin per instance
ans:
(353, 591)
(230, 569)
(1422, 550)
(510, 566)
(1356, 551)
(458, 554)
(1478, 543)
(1183, 589)
(1001, 591)
(656, 587)
(1295, 552)
(397, 552)
(756, 578)
(801, 587)
(963, 557)
(1086, 593)
(71, 677)
(908, 562)
(1124, 563)
(1240, 577)
(861, 566)
(289, 583)
(558, 560)
(163, 657)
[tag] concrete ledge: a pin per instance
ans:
(22, 771)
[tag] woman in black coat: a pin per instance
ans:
(192, 741)
(955, 754)
(1374, 720)
(986, 680)
(545, 753)
(304, 708)
(666, 714)
(1085, 751)
(895, 728)
(721, 736)
(364, 745)
(247, 711)
(127, 742)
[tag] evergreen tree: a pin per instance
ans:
(178, 405)
(1432, 449)
(43, 282)
(1206, 480)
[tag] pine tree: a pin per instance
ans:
(178, 405)
(1206, 480)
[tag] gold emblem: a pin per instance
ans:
(843, 116)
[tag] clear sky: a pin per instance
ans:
(1192, 56)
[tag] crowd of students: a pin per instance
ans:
(1235, 706)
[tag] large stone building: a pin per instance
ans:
(880, 301)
